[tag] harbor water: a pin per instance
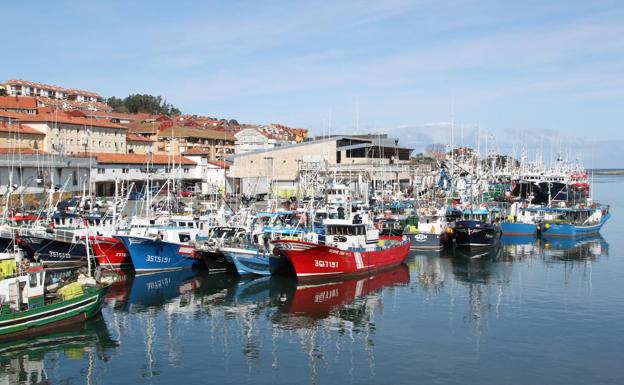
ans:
(535, 311)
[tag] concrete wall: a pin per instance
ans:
(281, 163)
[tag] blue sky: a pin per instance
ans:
(546, 73)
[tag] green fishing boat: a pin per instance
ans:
(31, 305)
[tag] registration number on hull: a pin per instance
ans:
(326, 264)
(157, 259)
(59, 255)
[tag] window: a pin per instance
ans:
(33, 280)
(101, 171)
(186, 170)
(124, 170)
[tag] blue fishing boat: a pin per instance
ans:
(251, 261)
(154, 254)
(575, 221)
(523, 219)
(518, 228)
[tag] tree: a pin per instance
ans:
(136, 103)
(234, 122)
(3, 92)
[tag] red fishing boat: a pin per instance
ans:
(347, 247)
(110, 251)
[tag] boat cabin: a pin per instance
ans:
(23, 292)
(346, 234)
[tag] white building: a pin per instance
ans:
(135, 168)
(18, 87)
(211, 175)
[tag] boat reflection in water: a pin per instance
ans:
(136, 293)
(574, 249)
(304, 304)
(23, 361)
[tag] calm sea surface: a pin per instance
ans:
(536, 312)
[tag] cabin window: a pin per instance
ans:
(32, 281)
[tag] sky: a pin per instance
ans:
(544, 75)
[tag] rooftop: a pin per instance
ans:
(15, 102)
(141, 159)
(19, 129)
(219, 163)
(60, 117)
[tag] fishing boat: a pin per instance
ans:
(348, 246)
(55, 250)
(429, 233)
(523, 219)
(575, 221)
(210, 249)
(248, 260)
(110, 252)
(476, 229)
(31, 306)
(159, 253)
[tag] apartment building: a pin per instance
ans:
(68, 134)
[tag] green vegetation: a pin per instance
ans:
(3, 92)
(136, 103)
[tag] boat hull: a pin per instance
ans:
(554, 229)
(248, 261)
(311, 260)
(514, 228)
(110, 252)
(6, 244)
(426, 241)
(150, 255)
(53, 252)
(47, 318)
(216, 262)
(476, 234)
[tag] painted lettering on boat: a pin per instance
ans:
(326, 264)
(157, 259)
(57, 254)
